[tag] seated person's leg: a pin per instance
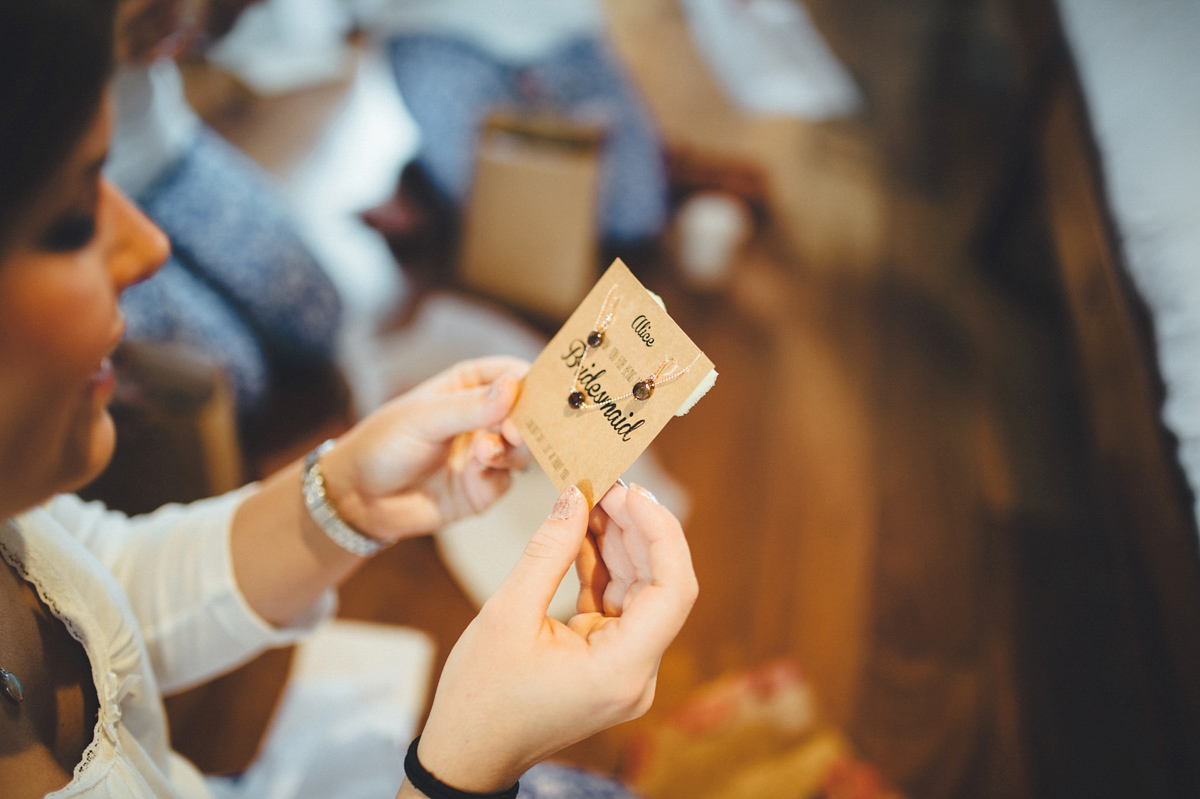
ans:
(449, 87)
(585, 77)
(229, 226)
(176, 307)
(555, 781)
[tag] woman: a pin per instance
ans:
(99, 614)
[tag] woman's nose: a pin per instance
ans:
(139, 247)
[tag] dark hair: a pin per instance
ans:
(55, 60)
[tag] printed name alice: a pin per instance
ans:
(641, 326)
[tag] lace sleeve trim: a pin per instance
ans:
(11, 533)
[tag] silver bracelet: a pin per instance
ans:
(325, 515)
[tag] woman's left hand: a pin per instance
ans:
(433, 455)
(519, 686)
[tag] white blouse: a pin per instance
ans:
(153, 601)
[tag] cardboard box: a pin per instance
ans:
(529, 236)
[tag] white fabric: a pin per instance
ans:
(154, 603)
(353, 165)
(281, 46)
(155, 126)
(517, 31)
(771, 58)
(1139, 64)
(352, 704)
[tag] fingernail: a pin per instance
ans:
(645, 493)
(621, 483)
(569, 503)
(495, 389)
(496, 450)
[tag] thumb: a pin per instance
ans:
(526, 593)
(444, 416)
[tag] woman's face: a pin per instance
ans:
(79, 244)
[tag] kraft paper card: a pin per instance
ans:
(607, 384)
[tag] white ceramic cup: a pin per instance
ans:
(711, 227)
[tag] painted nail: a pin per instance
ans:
(645, 493)
(569, 503)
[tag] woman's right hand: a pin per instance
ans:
(150, 29)
(519, 686)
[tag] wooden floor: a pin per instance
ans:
(885, 414)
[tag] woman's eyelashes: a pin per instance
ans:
(71, 231)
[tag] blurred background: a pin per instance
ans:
(942, 253)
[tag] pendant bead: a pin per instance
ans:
(12, 686)
(595, 338)
(643, 389)
(575, 399)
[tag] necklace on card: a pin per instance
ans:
(643, 389)
(576, 398)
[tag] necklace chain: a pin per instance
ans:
(641, 390)
(12, 685)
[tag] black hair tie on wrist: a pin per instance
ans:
(434, 788)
